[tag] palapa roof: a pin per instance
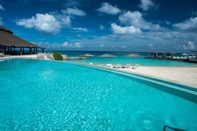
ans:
(8, 38)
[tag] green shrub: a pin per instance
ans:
(57, 56)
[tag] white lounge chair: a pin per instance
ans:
(109, 65)
(118, 66)
(136, 66)
(128, 66)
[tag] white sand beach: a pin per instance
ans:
(182, 75)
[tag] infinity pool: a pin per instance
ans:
(46, 95)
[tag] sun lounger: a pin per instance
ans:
(136, 66)
(118, 66)
(109, 65)
(128, 66)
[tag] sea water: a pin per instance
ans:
(122, 58)
(46, 95)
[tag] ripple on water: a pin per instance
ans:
(59, 96)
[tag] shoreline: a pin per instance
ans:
(181, 75)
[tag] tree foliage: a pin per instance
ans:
(57, 56)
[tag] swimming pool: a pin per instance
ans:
(46, 95)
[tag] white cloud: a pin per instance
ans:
(187, 25)
(146, 4)
(45, 23)
(77, 44)
(190, 45)
(80, 29)
(1, 7)
(101, 27)
(124, 30)
(109, 9)
(135, 18)
(74, 11)
(65, 44)
(1, 22)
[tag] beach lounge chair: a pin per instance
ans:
(109, 65)
(128, 66)
(118, 66)
(136, 66)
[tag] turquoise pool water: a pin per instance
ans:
(45, 95)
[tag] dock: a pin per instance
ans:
(170, 56)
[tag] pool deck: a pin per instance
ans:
(182, 75)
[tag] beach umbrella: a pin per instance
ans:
(107, 56)
(132, 55)
(86, 55)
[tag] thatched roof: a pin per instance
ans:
(7, 38)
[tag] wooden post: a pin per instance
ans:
(36, 50)
(42, 50)
(3, 49)
(30, 49)
(21, 51)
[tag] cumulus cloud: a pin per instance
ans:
(80, 29)
(109, 9)
(190, 24)
(1, 7)
(65, 44)
(45, 23)
(77, 44)
(1, 22)
(190, 45)
(124, 30)
(146, 4)
(101, 27)
(74, 11)
(135, 18)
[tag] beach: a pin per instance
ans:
(182, 75)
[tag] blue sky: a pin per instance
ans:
(112, 25)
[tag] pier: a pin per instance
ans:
(170, 56)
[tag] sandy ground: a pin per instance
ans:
(182, 75)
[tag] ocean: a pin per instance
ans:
(122, 58)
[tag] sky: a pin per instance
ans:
(104, 25)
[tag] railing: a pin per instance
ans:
(172, 128)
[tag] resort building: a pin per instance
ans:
(13, 45)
